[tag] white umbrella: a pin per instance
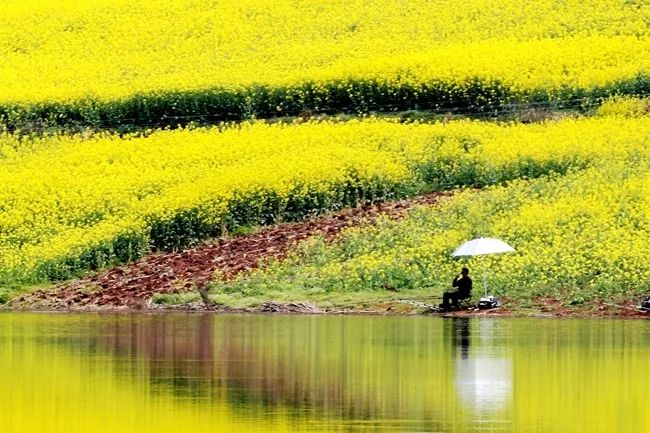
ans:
(482, 246)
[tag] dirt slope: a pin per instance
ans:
(132, 285)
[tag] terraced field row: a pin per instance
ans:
(132, 64)
(70, 204)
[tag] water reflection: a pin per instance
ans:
(483, 380)
(193, 373)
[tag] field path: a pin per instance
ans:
(131, 286)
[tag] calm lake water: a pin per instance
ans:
(215, 373)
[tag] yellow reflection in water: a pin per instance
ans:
(195, 373)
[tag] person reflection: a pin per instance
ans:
(460, 335)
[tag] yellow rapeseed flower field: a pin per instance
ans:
(70, 203)
(112, 62)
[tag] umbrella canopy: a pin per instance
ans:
(482, 246)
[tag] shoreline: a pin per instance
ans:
(392, 309)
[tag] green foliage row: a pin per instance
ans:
(354, 96)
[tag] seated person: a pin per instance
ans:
(463, 285)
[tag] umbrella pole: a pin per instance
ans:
(485, 288)
(484, 276)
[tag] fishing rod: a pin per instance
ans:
(626, 307)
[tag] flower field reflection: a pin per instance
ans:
(244, 373)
